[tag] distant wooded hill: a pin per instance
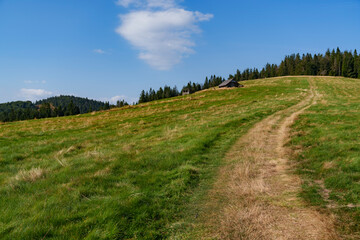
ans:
(51, 107)
(85, 105)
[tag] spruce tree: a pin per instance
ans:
(206, 83)
(356, 64)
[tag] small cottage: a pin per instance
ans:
(185, 92)
(230, 83)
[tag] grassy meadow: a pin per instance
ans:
(141, 172)
(326, 140)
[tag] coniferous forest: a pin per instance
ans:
(85, 105)
(332, 63)
(167, 91)
(52, 107)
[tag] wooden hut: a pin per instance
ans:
(230, 83)
(185, 91)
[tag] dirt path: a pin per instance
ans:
(257, 194)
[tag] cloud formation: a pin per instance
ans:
(114, 99)
(161, 30)
(34, 82)
(99, 51)
(34, 94)
(130, 100)
(148, 3)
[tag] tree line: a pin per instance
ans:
(332, 63)
(167, 92)
(82, 105)
(52, 107)
(152, 95)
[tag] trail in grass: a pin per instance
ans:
(256, 196)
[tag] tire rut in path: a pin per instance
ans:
(257, 194)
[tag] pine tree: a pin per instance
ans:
(315, 65)
(283, 69)
(338, 57)
(298, 65)
(142, 98)
(238, 75)
(77, 110)
(206, 83)
(357, 64)
(12, 116)
(106, 107)
(70, 109)
(348, 65)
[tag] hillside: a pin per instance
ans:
(153, 170)
(6, 107)
(84, 104)
(50, 107)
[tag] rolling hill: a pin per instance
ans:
(52, 107)
(163, 169)
(84, 104)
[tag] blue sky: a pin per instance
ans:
(111, 49)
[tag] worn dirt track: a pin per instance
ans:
(257, 193)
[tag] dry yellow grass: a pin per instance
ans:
(329, 165)
(102, 172)
(256, 197)
(30, 175)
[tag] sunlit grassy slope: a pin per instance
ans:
(327, 139)
(135, 172)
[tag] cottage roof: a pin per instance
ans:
(223, 84)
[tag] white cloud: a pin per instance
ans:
(148, 3)
(34, 82)
(99, 51)
(162, 3)
(163, 36)
(34, 94)
(127, 3)
(114, 99)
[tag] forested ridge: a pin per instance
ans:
(84, 104)
(332, 63)
(52, 107)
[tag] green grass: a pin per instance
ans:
(327, 135)
(132, 173)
